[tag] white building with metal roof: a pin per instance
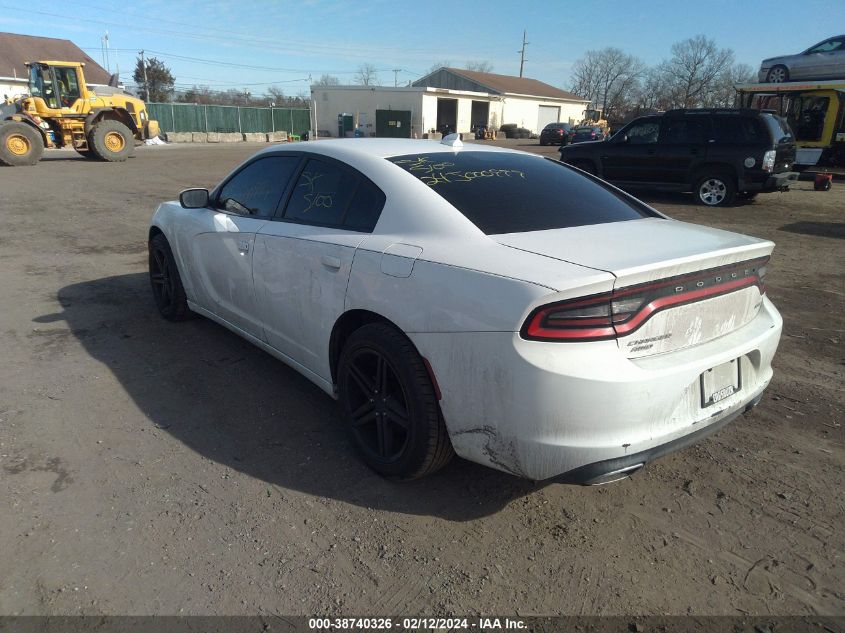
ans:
(450, 99)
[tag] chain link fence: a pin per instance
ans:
(190, 117)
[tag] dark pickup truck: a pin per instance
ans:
(719, 154)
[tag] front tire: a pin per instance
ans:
(20, 144)
(168, 292)
(390, 404)
(778, 74)
(111, 141)
(715, 190)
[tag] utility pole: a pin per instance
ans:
(146, 85)
(108, 66)
(396, 77)
(522, 53)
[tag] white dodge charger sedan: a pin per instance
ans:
(475, 300)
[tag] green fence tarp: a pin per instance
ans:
(189, 117)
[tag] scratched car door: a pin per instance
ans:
(303, 260)
(223, 251)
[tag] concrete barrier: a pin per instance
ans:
(212, 137)
(255, 137)
(199, 137)
(231, 137)
(433, 136)
(177, 137)
(277, 137)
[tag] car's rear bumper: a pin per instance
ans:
(539, 410)
(775, 182)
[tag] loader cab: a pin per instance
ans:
(58, 86)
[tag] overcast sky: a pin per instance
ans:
(290, 40)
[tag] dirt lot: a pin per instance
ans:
(159, 468)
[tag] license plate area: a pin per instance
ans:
(720, 382)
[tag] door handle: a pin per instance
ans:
(330, 262)
(243, 246)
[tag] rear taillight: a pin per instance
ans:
(769, 160)
(621, 312)
(582, 319)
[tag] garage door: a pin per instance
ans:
(548, 114)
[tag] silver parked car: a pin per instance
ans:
(825, 60)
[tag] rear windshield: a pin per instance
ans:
(780, 129)
(501, 192)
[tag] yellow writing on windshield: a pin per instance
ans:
(435, 173)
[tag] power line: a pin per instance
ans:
(292, 46)
(213, 62)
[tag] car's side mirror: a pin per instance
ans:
(194, 198)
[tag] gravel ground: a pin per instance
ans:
(159, 468)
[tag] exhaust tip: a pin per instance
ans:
(614, 475)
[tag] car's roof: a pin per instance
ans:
(381, 147)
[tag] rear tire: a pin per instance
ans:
(715, 190)
(390, 404)
(111, 141)
(168, 292)
(20, 144)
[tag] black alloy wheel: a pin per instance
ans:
(166, 283)
(390, 404)
(380, 420)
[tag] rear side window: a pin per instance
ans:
(501, 192)
(684, 131)
(257, 188)
(779, 128)
(365, 208)
(736, 130)
(326, 194)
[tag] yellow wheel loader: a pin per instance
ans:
(61, 111)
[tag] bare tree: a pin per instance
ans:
(367, 75)
(275, 95)
(693, 70)
(328, 80)
(652, 93)
(609, 78)
(438, 65)
(723, 93)
(479, 66)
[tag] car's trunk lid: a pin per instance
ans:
(693, 283)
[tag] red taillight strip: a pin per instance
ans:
(580, 329)
(648, 310)
(538, 332)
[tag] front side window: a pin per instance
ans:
(643, 133)
(41, 85)
(828, 46)
(513, 193)
(257, 188)
(68, 86)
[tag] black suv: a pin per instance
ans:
(718, 154)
